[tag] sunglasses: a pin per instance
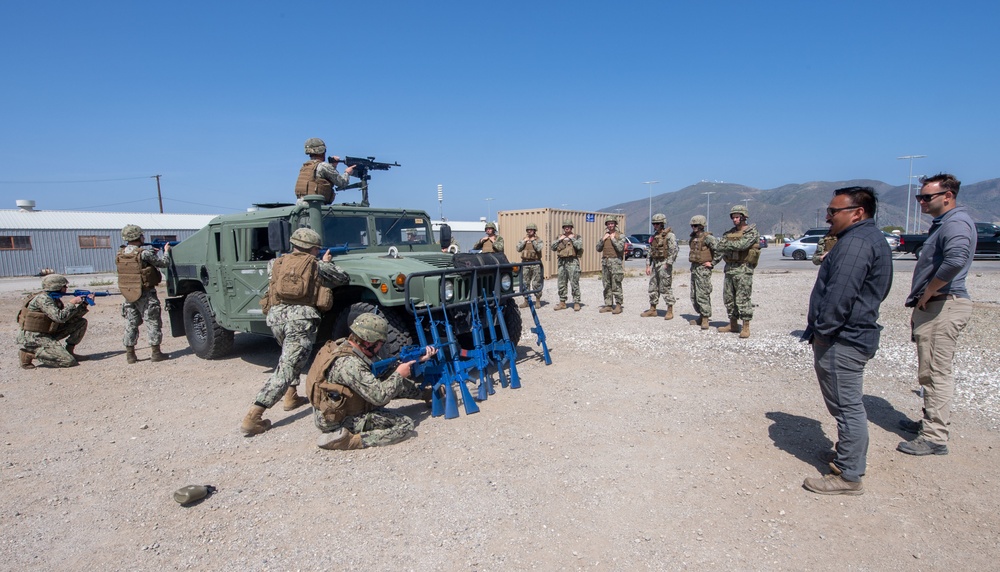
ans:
(831, 212)
(927, 198)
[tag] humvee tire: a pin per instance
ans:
(399, 334)
(206, 337)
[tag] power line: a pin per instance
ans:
(68, 182)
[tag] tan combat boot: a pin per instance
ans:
(606, 309)
(732, 327)
(670, 313)
(576, 306)
(524, 303)
(342, 440)
(695, 321)
(650, 313)
(26, 358)
(130, 354)
(704, 322)
(617, 309)
(292, 399)
(745, 332)
(560, 306)
(538, 299)
(158, 355)
(71, 348)
(252, 423)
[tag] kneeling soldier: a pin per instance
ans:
(45, 319)
(348, 401)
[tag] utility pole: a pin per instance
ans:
(909, 190)
(650, 183)
(708, 211)
(158, 194)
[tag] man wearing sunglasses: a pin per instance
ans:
(853, 280)
(941, 309)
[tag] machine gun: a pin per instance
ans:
(362, 166)
(87, 295)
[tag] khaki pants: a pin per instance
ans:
(936, 331)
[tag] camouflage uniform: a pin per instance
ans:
(294, 326)
(738, 284)
(46, 347)
(569, 266)
(147, 307)
(701, 275)
(661, 268)
(486, 245)
(824, 245)
(377, 427)
(531, 275)
(612, 272)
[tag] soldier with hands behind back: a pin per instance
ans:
(530, 248)
(348, 401)
(45, 319)
(660, 267)
(299, 288)
(568, 248)
(138, 275)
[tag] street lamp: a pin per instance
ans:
(708, 211)
(650, 183)
(488, 208)
(619, 211)
(909, 189)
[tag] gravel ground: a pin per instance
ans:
(647, 444)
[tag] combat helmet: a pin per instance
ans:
(490, 225)
(131, 232)
(699, 220)
(315, 146)
(660, 218)
(305, 238)
(610, 218)
(739, 209)
(568, 223)
(54, 282)
(531, 226)
(371, 328)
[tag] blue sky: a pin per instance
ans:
(533, 104)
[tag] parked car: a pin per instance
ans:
(635, 249)
(802, 248)
(763, 242)
(892, 239)
(987, 241)
(817, 231)
(643, 238)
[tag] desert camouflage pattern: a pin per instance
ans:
(486, 245)
(46, 347)
(569, 265)
(612, 270)
(661, 276)
(701, 278)
(824, 245)
(295, 326)
(738, 285)
(531, 250)
(379, 427)
(147, 308)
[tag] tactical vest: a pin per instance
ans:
(35, 321)
(659, 244)
(333, 400)
(134, 278)
(295, 281)
(309, 184)
(609, 249)
(700, 252)
(749, 256)
(829, 241)
(529, 254)
(566, 249)
(487, 246)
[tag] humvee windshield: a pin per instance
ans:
(394, 230)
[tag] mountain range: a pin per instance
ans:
(794, 208)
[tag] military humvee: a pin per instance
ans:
(218, 275)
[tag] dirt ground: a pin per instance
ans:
(647, 444)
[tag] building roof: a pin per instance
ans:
(63, 220)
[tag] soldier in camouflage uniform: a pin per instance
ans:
(703, 256)
(137, 280)
(45, 319)
(568, 248)
(660, 267)
(492, 242)
(822, 247)
(612, 249)
(348, 401)
(319, 177)
(294, 323)
(740, 248)
(530, 248)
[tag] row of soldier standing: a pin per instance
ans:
(52, 315)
